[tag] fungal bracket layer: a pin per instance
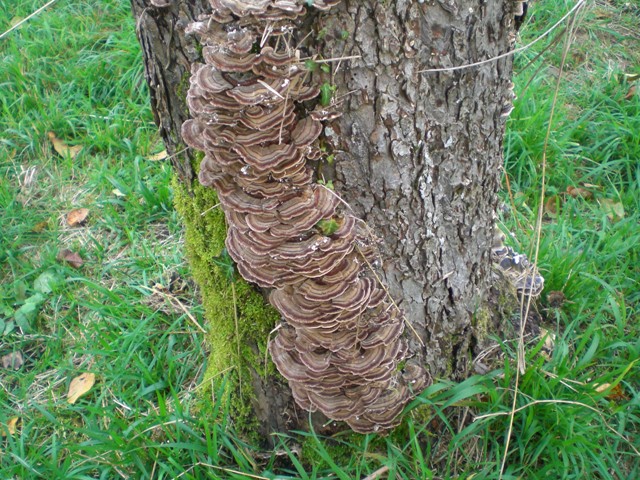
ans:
(340, 342)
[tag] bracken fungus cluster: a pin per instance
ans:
(254, 115)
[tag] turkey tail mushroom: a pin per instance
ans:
(340, 344)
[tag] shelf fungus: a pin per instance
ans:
(340, 344)
(522, 274)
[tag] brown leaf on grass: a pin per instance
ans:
(13, 360)
(630, 93)
(10, 428)
(613, 209)
(579, 192)
(62, 148)
(551, 205)
(615, 394)
(77, 217)
(79, 386)
(72, 258)
(158, 156)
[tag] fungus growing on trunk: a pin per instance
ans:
(340, 344)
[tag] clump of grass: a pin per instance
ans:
(76, 70)
(588, 252)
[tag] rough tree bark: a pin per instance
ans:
(417, 154)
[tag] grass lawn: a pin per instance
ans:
(109, 298)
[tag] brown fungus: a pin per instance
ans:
(340, 344)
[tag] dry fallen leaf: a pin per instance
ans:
(579, 192)
(616, 393)
(62, 148)
(79, 386)
(551, 205)
(630, 93)
(10, 427)
(77, 217)
(13, 360)
(158, 156)
(72, 258)
(613, 209)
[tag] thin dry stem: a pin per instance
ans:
(512, 52)
(377, 474)
(334, 59)
(564, 402)
(29, 17)
(179, 304)
(213, 377)
(266, 350)
(270, 88)
(209, 209)
(164, 424)
(268, 29)
(511, 199)
(223, 469)
(524, 315)
(283, 118)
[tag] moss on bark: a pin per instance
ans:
(232, 344)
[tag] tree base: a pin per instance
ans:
(260, 400)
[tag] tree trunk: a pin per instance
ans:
(415, 154)
(421, 155)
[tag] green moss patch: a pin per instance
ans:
(239, 318)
